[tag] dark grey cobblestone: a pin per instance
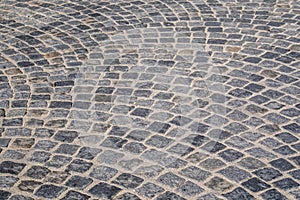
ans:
(66, 136)
(267, 174)
(234, 173)
(37, 172)
(127, 196)
(295, 174)
(155, 99)
(169, 195)
(20, 197)
(282, 164)
(58, 161)
(273, 194)
(238, 193)
(78, 182)
(14, 154)
(190, 189)
(10, 167)
(128, 181)
(255, 185)
(286, 184)
(75, 195)
(79, 166)
(104, 190)
(150, 190)
(261, 153)
(251, 163)
(57, 177)
(29, 185)
(7, 181)
(171, 180)
(230, 155)
(40, 156)
(4, 194)
(219, 184)
(88, 153)
(49, 191)
(45, 145)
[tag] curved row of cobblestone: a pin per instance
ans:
(149, 99)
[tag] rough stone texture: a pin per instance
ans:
(49, 191)
(189, 99)
(103, 190)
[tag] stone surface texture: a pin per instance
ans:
(147, 99)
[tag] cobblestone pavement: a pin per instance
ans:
(146, 99)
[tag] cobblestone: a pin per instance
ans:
(8, 181)
(11, 167)
(149, 99)
(273, 194)
(170, 195)
(37, 172)
(171, 180)
(286, 184)
(29, 186)
(255, 185)
(219, 184)
(49, 191)
(79, 182)
(150, 190)
(238, 193)
(235, 173)
(282, 164)
(75, 195)
(104, 190)
(103, 173)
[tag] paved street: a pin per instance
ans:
(148, 99)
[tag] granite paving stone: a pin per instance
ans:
(150, 190)
(282, 164)
(104, 190)
(49, 191)
(286, 184)
(8, 181)
(78, 182)
(219, 184)
(5, 194)
(10, 167)
(169, 195)
(273, 194)
(144, 99)
(75, 195)
(128, 181)
(29, 185)
(17, 197)
(255, 185)
(238, 193)
(234, 173)
(37, 172)
(128, 196)
(57, 177)
(171, 180)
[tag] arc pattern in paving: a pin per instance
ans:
(149, 100)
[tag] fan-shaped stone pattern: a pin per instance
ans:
(115, 88)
